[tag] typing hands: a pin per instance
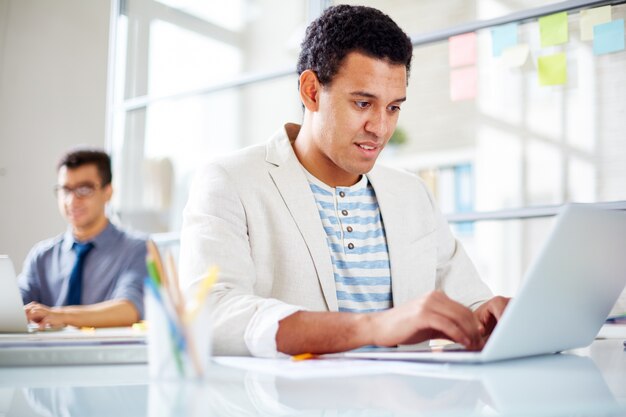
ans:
(436, 316)
(45, 317)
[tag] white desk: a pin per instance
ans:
(585, 382)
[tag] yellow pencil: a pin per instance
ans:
(205, 286)
(303, 357)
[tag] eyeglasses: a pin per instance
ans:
(81, 191)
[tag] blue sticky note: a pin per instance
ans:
(608, 37)
(502, 37)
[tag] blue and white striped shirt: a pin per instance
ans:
(357, 243)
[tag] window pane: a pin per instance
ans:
(181, 60)
(527, 144)
(180, 46)
(161, 150)
(417, 17)
(165, 144)
(228, 14)
(502, 251)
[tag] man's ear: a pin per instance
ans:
(309, 90)
(108, 192)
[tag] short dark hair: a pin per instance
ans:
(343, 29)
(77, 157)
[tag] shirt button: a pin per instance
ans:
(350, 245)
(349, 229)
(344, 212)
(342, 194)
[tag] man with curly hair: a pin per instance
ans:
(319, 249)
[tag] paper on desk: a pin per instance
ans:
(71, 336)
(324, 368)
(612, 331)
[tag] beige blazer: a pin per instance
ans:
(253, 215)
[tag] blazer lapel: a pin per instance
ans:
(294, 189)
(405, 264)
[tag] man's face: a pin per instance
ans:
(357, 115)
(81, 197)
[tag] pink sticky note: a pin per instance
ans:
(462, 49)
(463, 83)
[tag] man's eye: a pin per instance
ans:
(362, 104)
(394, 108)
(85, 190)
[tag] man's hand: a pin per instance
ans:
(489, 314)
(432, 317)
(46, 317)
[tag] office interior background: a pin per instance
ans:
(167, 84)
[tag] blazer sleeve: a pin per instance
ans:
(456, 274)
(215, 232)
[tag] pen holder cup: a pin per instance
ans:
(177, 349)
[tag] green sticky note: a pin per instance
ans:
(553, 29)
(552, 69)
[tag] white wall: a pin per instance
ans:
(53, 73)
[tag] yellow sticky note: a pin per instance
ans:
(552, 69)
(590, 18)
(515, 56)
(553, 29)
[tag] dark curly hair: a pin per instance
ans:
(77, 157)
(343, 29)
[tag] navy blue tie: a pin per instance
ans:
(75, 285)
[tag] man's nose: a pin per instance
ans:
(378, 124)
(68, 197)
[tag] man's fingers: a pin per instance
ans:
(450, 329)
(500, 304)
(461, 316)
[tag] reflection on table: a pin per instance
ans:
(557, 385)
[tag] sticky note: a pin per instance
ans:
(515, 56)
(502, 37)
(463, 83)
(462, 49)
(608, 37)
(552, 69)
(590, 18)
(553, 29)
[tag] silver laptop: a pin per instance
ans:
(12, 315)
(565, 297)
(21, 345)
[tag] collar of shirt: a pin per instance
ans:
(104, 239)
(363, 182)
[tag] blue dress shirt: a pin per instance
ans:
(114, 270)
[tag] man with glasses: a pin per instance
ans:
(91, 275)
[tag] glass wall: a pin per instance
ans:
(180, 99)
